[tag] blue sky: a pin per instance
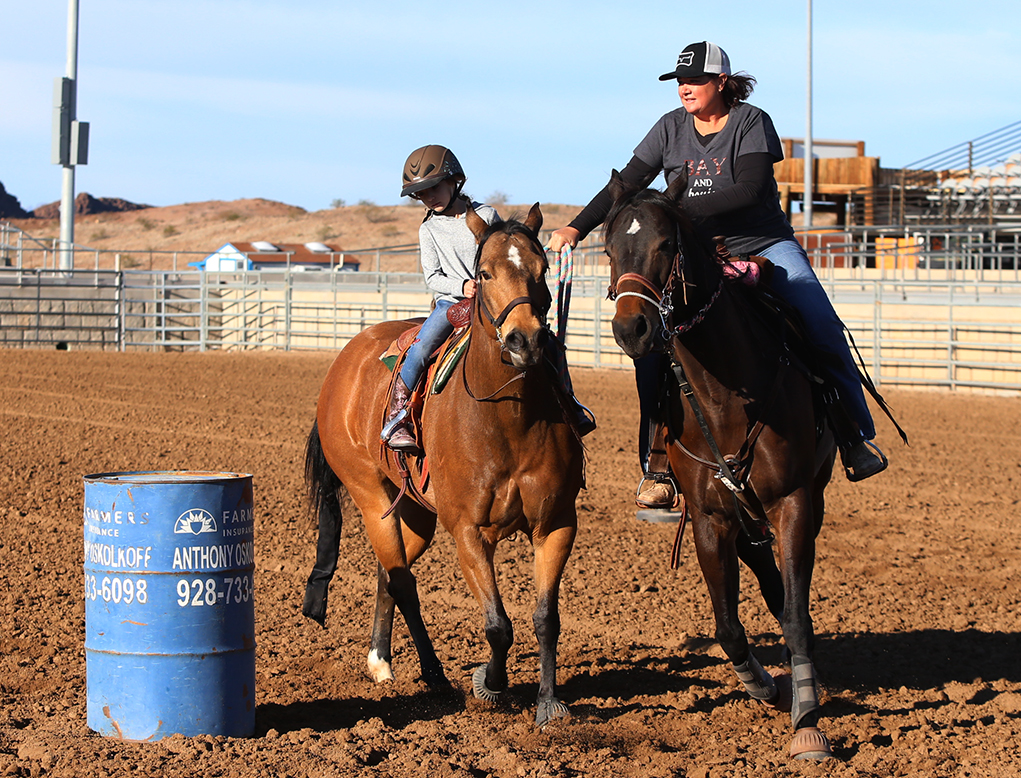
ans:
(309, 101)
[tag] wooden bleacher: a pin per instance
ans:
(841, 170)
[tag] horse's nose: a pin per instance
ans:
(634, 335)
(526, 348)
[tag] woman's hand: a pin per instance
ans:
(469, 288)
(565, 236)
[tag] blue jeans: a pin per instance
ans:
(796, 282)
(434, 331)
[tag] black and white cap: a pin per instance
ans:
(700, 59)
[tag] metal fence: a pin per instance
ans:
(929, 306)
(962, 332)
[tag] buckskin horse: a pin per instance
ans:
(503, 456)
(747, 444)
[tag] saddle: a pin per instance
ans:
(438, 371)
(785, 324)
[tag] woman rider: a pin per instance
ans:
(728, 148)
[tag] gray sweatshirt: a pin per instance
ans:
(448, 252)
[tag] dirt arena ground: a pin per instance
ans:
(916, 599)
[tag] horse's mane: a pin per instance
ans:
(509, 226)
(636, 196)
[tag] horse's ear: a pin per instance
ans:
(676, 189)
(475, 223)
(534, 219)
(617, 185)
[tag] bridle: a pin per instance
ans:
(498, 321)
(662, 299)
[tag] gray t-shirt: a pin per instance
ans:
(673, 145)
(448, 252)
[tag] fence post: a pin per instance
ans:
(160, 312)
(288, 299)
(203, 310)
(122, 324)
(877, 328)
(951, 349)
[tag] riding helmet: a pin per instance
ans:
(428, 166)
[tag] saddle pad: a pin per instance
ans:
(452, 352)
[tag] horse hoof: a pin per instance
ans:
(810, 743)
(549, 710)
(379, 669)
(784, 694)
(479, 685)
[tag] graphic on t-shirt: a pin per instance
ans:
(700, 175)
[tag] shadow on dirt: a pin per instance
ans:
(923, 659)
(395, 712)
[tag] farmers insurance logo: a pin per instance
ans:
(195, 522)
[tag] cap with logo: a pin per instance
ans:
(700, 59)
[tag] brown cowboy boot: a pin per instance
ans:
(657, 489)
(656, 494)
(397, 429)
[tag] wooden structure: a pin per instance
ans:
(841, 170)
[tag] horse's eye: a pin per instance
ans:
(486, 275)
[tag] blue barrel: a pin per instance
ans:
(169, 604)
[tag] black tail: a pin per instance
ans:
(322, 484)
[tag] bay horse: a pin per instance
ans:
(503, 456)
(733, 389)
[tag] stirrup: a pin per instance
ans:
(391, 426)
(873, 461)
(585, 418)
(660, 478)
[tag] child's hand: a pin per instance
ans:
(469, 288)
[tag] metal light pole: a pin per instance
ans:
(70, 137)
(809, 162)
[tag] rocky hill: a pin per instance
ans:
(85, 205)
(10, 207)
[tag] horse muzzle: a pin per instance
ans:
(525, 347)
(636, 333)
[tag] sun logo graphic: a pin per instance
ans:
(195, 522)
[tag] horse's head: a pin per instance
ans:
(511, 294)
(643, 242)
